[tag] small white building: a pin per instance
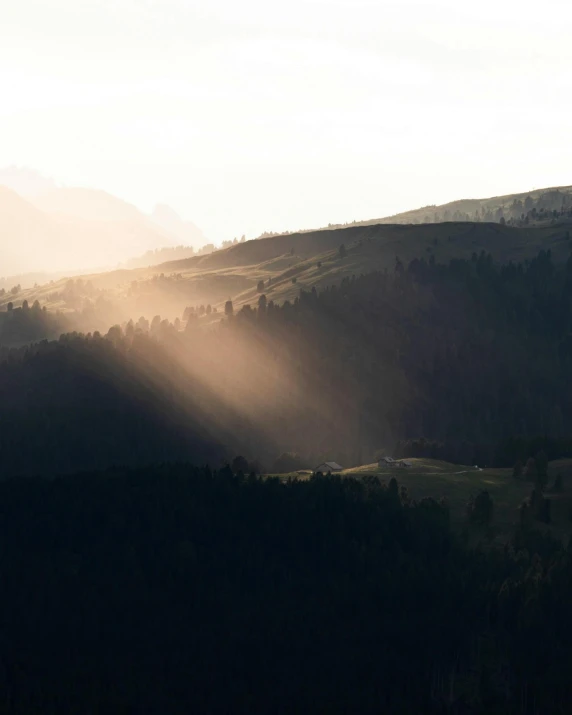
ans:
(386, 462)
(326, 467)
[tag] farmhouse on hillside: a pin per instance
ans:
(386, 462)
(326, 467)
(395, 463)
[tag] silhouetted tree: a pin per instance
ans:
(393, 488)
(240, 464)
(155, 323)
(480, 509)
(530, 471)
(541, 461)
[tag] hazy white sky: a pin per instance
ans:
(252, 115)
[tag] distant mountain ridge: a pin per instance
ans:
(86, 204)
(26, 182)
(51, 229)
(39, 240)
(98, 205)
(185, 231)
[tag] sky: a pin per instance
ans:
(255, 115)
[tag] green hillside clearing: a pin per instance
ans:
(457, 483)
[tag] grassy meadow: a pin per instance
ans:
(286, 264)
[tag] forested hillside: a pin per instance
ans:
(87, 403)
(279, 267)
(28, 324)
(177, 590)
(470, 354)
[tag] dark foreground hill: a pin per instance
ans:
(178, 590)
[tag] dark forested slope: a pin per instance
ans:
(470, 354)
(82, 403)
(177, 590)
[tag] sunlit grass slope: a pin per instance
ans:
(288, 263)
